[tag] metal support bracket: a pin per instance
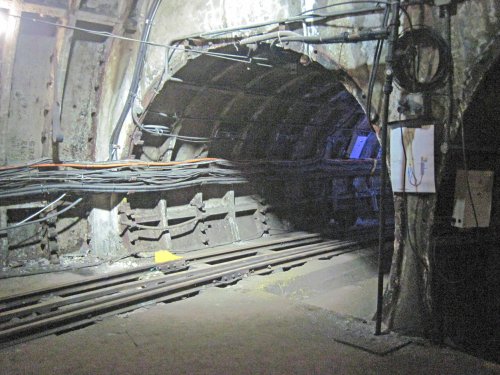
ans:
(230, 278)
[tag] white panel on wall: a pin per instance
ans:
(472, 208)
(412, 159)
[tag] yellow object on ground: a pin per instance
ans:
(163, 256)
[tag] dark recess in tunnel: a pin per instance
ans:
(301, 139)
(469, 297)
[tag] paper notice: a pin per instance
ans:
(412, 159)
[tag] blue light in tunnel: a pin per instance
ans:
(358, 146)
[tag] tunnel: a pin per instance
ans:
(232, 187)
(292, 129)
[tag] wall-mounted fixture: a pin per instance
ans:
(472, 206)
(412, 159)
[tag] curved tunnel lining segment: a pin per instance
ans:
(302, 141)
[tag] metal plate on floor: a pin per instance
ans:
(357, 332)
(361, 335)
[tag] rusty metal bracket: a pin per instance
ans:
(231, 277)
(175, 265)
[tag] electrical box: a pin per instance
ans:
(473, 213)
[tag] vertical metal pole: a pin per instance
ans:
(393, 35)
(447, 12)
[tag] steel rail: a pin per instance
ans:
(89, 296)
(171, 297)
(164, 286)
(94, 282)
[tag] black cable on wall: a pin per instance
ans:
(139, 66)
(407, 56)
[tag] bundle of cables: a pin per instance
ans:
(409, 53)
(126, 176)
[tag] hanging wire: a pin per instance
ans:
(352, 2)
(107, 34)
(406, 224)
(43, 209)
(22, 224)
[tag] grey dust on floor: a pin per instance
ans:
(282, 323)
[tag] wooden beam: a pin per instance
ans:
(7, 68)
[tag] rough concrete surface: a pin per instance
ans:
(247, 328)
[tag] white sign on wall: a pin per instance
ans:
(412, 159)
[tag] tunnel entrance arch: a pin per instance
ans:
(291, 128)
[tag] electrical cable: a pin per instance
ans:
(43, 209)
(466, 171)
(22, 243)
(139, 62)
(405, 68)
(164, 131)
(134, 85)
(448, 64)
(189, 138)
(163, 114)
(376, 62)
(141, 177)
(405, 222)
(108, 177)
(152, 44)
(272, 35)
(302, 17)
(450, 116)
(115, 164)
(450, 94)
(345, 37)
(19, 225)
(388, 3)
(138, 71)
(408, 18)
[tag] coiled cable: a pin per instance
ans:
(408, 54)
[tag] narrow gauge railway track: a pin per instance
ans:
(68, 306)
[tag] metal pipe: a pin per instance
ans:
(345, 37)
(274, 35)
(391, 42)
(292, 19)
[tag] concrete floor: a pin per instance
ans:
(283, 323)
